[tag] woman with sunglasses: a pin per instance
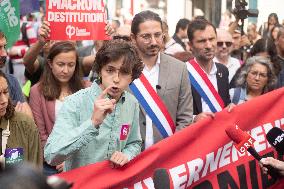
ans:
(224, 48)
(256, 77)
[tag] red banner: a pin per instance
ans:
(76, 20)
(201, 156)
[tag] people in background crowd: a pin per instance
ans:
(176, 44)
(61, 77)
(256, 78)
(252, 34)
(265, 29)
(100, 122)
(274, 32)
(279, 42)
(26, 39)
(265, 47)
(224, 48)
(14, 87)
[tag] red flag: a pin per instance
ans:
(200, 156)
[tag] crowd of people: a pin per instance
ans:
(80, 109)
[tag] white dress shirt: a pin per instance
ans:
(233, 65)
(212, 77)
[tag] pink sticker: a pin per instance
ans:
(124, 131)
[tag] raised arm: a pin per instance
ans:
(30, 59)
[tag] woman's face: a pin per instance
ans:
(257, 78)
(275, 32)
(272, 20)
(63, 66)
(4, 96)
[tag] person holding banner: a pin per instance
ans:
(100, 122)
(209, 80)
(256, 77)
(163, 89)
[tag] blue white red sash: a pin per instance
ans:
(153, 105)
(204, 87)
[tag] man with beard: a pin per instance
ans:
(167, 77)
(224, 48)
(210, 84)
(13, 84)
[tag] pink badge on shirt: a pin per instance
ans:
(124, 131)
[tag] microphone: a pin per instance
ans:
(161, 179)
(158, 87)
(275, 137)
(243, 142)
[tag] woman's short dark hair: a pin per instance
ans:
(242, 77)
(10, 110)
(143, 17)
(113, 50)
(267, 45)
(49, 85)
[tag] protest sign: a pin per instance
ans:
(10, 20)
(76, 20)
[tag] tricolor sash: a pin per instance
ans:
(204, 87)
(153, 105)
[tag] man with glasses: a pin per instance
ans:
(210, 83)
(224, 48)
(167, 76)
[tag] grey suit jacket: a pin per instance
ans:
(175, 92)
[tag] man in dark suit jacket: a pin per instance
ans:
(166, 74)
(203, 41)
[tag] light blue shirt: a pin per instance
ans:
(75, 140)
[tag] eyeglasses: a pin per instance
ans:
(122, 37)
(256, 73)
(147, 37)
(227, 43)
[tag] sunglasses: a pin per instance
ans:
(221, 44)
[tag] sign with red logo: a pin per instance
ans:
(76, 20)
(124, 131)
